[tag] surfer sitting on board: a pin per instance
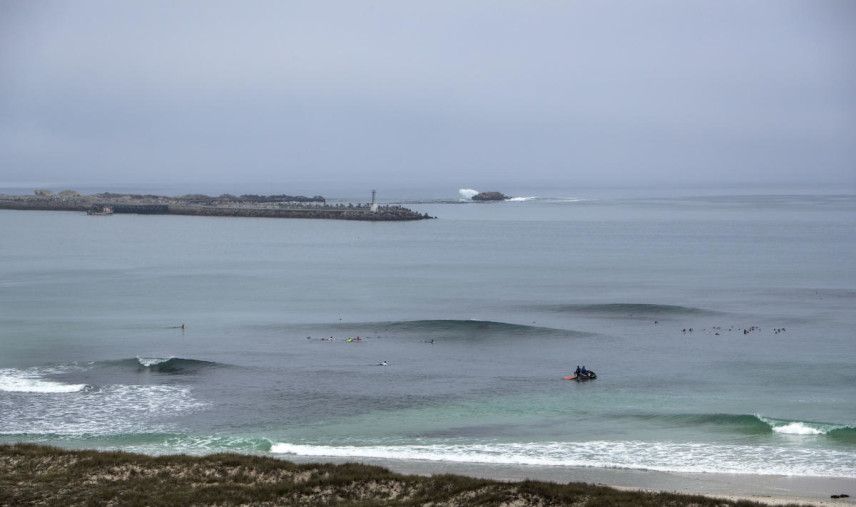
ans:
(577, 371)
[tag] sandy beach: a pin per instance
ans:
(771, 490)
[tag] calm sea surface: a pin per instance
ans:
(722, 330)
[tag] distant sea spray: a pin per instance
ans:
(467, 193)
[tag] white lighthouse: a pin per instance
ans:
(374, 204)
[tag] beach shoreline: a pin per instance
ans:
(54, 476)
(767, 489)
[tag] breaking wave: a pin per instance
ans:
(169, 365)
(757, 424)
(789, 427)
(33, 381)
(660, 456)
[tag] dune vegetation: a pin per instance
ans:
(32, 474)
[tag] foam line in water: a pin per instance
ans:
(113, 409)
(197, 444)
(18, 381)
(659, 456)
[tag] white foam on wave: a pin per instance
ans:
(521, 199)
(151, 361)
(798, 428)
(659, 456)
(18, 381)
(109, 410)
(467, 193)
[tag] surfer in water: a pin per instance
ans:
(383, 364)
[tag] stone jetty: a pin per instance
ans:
(226, 205)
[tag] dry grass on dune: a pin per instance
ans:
(38, 475)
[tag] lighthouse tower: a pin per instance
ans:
(374, 204)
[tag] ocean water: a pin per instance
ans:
(722, 329)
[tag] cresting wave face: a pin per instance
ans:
(810, 428)
(755, 424)
(151, 361)
(458, 329)
(176, 365)
(641, 310)
(459, 326)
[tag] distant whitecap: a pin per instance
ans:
(467, 193)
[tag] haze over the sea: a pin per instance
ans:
(324, 96)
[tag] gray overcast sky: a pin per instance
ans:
(473, 93)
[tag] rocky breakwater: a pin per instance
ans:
(273, 206)
(489, 196)
(340, 212)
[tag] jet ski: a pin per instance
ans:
(583, 375)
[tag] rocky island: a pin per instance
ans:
(273, 206)
(489, 196)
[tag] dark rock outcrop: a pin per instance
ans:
(490, 196)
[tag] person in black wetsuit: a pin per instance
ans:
(577, 371)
